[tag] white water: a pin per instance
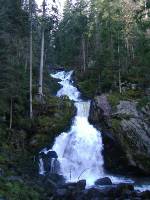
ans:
(80, 149)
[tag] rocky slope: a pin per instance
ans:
(126, 133)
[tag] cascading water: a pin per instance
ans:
(79, 150)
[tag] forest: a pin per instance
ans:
(106, 45)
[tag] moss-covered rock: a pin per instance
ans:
(124, 128)
(51, 118)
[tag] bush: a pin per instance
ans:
(15, 190)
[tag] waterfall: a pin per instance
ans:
(52, 170)
(79, 150)
(77, 154)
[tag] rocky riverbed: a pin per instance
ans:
(103, 189)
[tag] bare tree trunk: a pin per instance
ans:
(42, 56)
(83, 53)
(31, 112)
(11, 105)
(98, 43)
(133, 55)
(146, 11)
(26, 64)
(120, 87)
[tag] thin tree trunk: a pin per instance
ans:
(133, 55)
(83, 53)
(120, 87)
(146, 11)
(26, 64)
(31, 112)
(11, 105)
(42, 56)
(98, 35)
(119, 60)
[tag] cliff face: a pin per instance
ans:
(126, 134)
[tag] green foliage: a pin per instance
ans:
(128, 95)
(145, 100)
(115, 123)
(71, 30)
(14, 190)
(117, 39)
(51, 119)
(114, 99)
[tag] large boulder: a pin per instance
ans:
(120, 191)
(126, 134)
(103, 181)
(81, 185)
(50, 162)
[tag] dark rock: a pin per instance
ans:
(58, 179)
(81, 185)
(103, 181)
(52, 154)
(92, 193)
(123, 188)
(145, 195)
(15, 178)
(50, 183)
(99, 109)
(61, 192)
(126, 135)
(51, 164)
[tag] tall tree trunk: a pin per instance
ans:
(31, 112)
(83, 53)
(146, 11)
(120, 87)
(118, 51)
(11, 105)
(98, 43)
(42, 56)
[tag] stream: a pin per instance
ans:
(80, 149)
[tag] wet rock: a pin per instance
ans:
(70, 191)
(58, 179)
(81, 185)
(52, 154)
(123, 189)
(145, 195)
(99, 109)
(126, 135)
(50, 162)
(103, 181)
(49, 183)
(93, 193)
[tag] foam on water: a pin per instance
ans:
(80, 149)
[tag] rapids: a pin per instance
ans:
(80, 149)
